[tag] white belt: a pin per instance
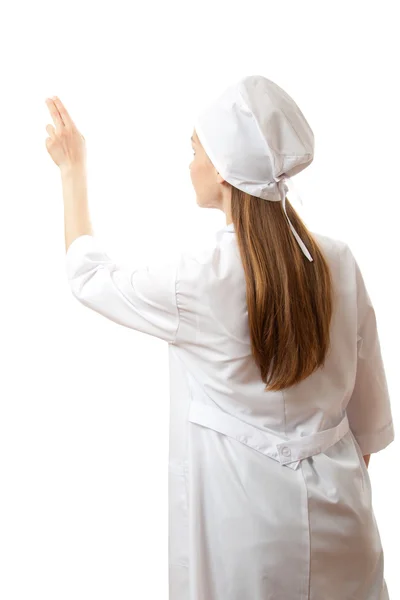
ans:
(286, 451)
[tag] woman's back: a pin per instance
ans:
(269, 493)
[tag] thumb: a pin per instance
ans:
(51, 131)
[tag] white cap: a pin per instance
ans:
(257, 138)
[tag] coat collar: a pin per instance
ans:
(226, 229)
(229, 227)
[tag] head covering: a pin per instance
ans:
(257, 138)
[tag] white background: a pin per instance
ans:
(84, 402)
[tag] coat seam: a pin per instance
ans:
(309, 535)
(284, 412)
(173, 341)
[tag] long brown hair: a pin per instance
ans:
(289, 298)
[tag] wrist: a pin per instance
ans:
(72, 169)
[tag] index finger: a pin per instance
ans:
(63, 111)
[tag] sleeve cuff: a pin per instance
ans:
(374, 442)
(75, 253)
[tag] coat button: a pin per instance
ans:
(286, 451)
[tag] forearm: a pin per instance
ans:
(76, 209)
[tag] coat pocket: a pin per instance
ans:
(178, 515)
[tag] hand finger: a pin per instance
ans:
(51, 131)
(63, 111)
(59, 123)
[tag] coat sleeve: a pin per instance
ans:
(143, 299)
(369, 409)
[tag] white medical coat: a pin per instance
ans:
(269, 494)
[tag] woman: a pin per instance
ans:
(278, 389)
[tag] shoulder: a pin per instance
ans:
(328, 242)
(336, 250)
(219, 262)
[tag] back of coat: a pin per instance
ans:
(270, 497)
